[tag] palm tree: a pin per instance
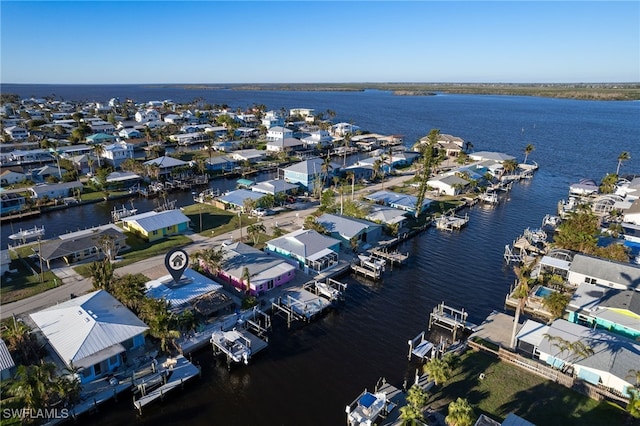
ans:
(460, 413)
(255, 230)
(325, 169)
(509, 166)
(411, 414)
(98, 150)
(209, 259)
(528, 150)
(522, 294)
(438, 370)
(161, 322)
(633, 406)
(346, 144)
(351, 175)
(556, 303)
(624, 156)
(246, 279)
(32, 385)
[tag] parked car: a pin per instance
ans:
(259, 212)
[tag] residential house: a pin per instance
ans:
(302, 112)
(220, 164)
(10, 177)
(449, 184)
(246, 132)
(306, 248)
(41, 174)
(266, 272)
(93, 332)
(101, 138)
(341, 129)
(145, 116)
(156, 225)
(607, 363)
(318, 139)
(388, 215)
(173, 119)
(166, 164)
(617, 311)
(350, 231)
(284, 145)
(216, 131)
(271, 119)
(360, 173)
(278, 132)
(310, 173)
(274, 187)
(122, 180)
(185, 139)
(20, 157)
(632, 214)
(250, 155)
(235, 199)
(605, 273)
(16, 132)
(100, 126)
(398, 200)
(11, 202)
(7, 364)
(5, 262)
(130, 133)
(184, 294)
(225, 146)
(55, 190)
(81, 245)
(116, 153)
(488, 155)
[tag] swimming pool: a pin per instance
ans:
(543, 292)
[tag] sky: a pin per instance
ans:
(121, 42)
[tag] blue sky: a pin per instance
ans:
(312, 42)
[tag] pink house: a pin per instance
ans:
(265, 271)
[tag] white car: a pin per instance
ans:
(259, 212)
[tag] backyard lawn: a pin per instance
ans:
(506, 388)
(23, 283)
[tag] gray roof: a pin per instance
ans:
(273, 186)
(41, 189)
(261, 266)
(386, 214)
(607, 270)
(407, 202)
(81, 328)
(304, 242)
(614, 354)
(488, 155)
(628, 300)
(238, 196)
(152, 221)
(346, 227)
(166, 162)
(6, 361)
(57, 248)
(311, 167)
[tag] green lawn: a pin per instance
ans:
(23, 283)
(218, 220)
(507, 388)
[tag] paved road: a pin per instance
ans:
(154, 268)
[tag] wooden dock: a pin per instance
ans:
(179, 371)
(367, 272)
(238, 345)
(393, 257)
(420, 347)
(451, 222)
(298, 303)
(450, 319)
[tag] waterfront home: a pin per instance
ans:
(250, 155)
(632, 214)
(284, 145)
(116, 153)
(604, 272)
(55, 190)
(584, 187)
(192, 138)
(122, 180)
(93, 333)
(166, 164)
(342, 129)
(7, 364)
(398, 200)
(318, 139)
(449, 184)
(101, 138)
(617, 311)
(41, 174)
(349, 230)
(101, 126)
(278, 132)
(10, 177)
(308, 248)
(606, 364)
(387, 215)
(225, 146)
(220, 164)
(274, 187)
(156, 225)
(371, 162)
(310, 173)
(235, 199)
(271, 119)
(20, 157)
(265, 270)
(81, 245)
(302, 112)
(184, 294)
(360, 173)
(628, 189)
(489, 155)
(16, 132)
(147, 115)
(11, 202)
(366, 142)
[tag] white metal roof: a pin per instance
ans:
(191, 286)
(80, 328)
(152, 221)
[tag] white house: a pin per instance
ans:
(116, 153)
(318, 139)
(16, 132)
(278, 132)
(271, 119)
(448, 184)
(91, 332)
(605, 273)
(144, 116)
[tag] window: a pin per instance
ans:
(590, 280)
(97, 368)
(155, 232)
(114, 360)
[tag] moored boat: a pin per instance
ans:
(27, 234)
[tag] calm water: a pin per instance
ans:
(308, 375)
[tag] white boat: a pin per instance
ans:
(551, 221)
(233, 344)
(372, 263)
(119, 214)
(489, 197)
(27, 234)
(367, 408)
(327, 291)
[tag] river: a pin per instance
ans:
(309, 374)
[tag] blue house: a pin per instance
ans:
(309, 173)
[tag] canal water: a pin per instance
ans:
(310, 373)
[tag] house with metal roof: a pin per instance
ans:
(235, 199)
(348, 229)
(7, 364)
(166, 164)
(250, 155)
(91, 332)
(308, 248)
(398, 200)
(274, 186)
(448, 184)
(156, 225)
(55, 190)
(489, 155)
(607, 360)
(607, 308)
(284, 145)
(308, 173)
(387, 215)
(603, 272)
(266, 271)
(81, 245)
(102, 138)
(182, 294)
